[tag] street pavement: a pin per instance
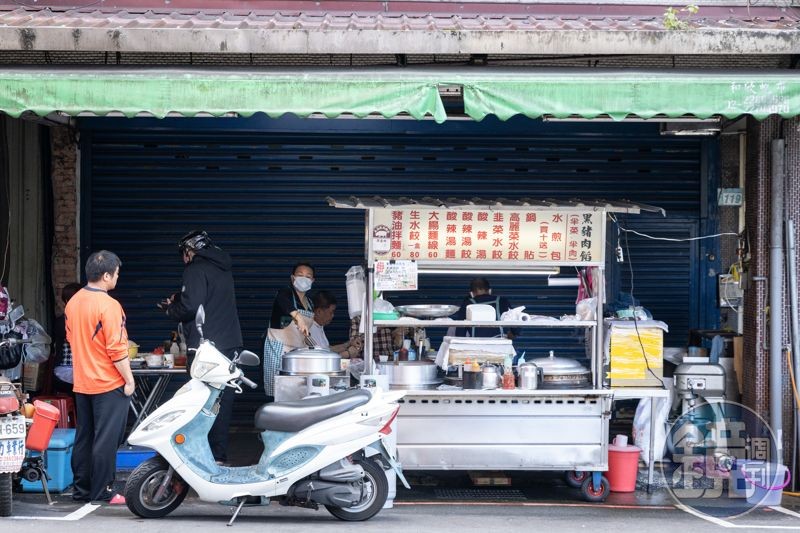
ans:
(532, 503)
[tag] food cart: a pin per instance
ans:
(563, 429)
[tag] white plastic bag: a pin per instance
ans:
(356, 290)
(641, 427)
(586, 309)
(38, 351)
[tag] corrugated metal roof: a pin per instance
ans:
(356, 202)
(463, 30)
(365, 20)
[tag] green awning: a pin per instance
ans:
(591, 93)
(189, 92)
(504, 92)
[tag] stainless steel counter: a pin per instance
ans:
(504, 430)
(543, 429)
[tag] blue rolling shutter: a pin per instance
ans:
(258, 187)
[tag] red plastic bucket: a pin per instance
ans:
(44, 422)
(623, 465)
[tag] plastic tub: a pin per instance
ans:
(760, 482)
(623, 465)
(129, 457)
(44, 422)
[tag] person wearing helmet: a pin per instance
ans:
(208, 281)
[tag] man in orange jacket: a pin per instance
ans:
(103, 381)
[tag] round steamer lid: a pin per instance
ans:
(311, 353)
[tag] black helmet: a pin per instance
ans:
(195, 240)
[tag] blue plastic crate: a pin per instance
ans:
(57, 461)
(129, 457)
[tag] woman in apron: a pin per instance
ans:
(292, 305)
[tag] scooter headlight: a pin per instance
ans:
(163, 420)
(201, 368)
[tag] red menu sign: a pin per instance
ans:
(562, 237)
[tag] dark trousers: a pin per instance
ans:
(218, 435)
(101, 420)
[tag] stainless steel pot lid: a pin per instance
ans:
(559, 365)
(407, 363)
(288, 373)
(311, 353)
(427, 310)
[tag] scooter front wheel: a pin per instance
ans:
(145, 495)
(376, 490)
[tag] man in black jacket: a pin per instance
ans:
(208, 281)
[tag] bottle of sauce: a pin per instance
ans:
(509, 383)
(174, 351)
(402, 353)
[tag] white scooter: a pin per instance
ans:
(325, 450)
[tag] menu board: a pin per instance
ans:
(546, 237)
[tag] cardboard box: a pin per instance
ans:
(33, 376)
(636, 354)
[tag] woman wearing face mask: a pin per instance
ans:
(292, 303)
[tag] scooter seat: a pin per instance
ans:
(292, 417)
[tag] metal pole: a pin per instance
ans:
(742, 177)
(791, 267)
(598, 354)
(366, 314)
(776, 296)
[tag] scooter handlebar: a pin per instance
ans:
(247, 382)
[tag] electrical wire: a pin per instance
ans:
(791, 377)
(796, 397)
(635, 320)
(670, 239)
(8, 223)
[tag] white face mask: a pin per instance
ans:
(302, 283)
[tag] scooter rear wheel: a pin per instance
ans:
(6, 501)
(142, 487)
(376, 490)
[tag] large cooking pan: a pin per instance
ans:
(305, 361)
(410, 374)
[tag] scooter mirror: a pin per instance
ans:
(248, 358)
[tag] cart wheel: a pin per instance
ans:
(575, 478)
(595, 494)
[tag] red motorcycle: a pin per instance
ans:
(13, 429)
(18, 434)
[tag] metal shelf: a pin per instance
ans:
(495, 324)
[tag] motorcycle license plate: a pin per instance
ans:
(12, 443)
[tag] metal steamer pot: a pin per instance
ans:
(562, 373)
(304, 361)
(413, 375)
